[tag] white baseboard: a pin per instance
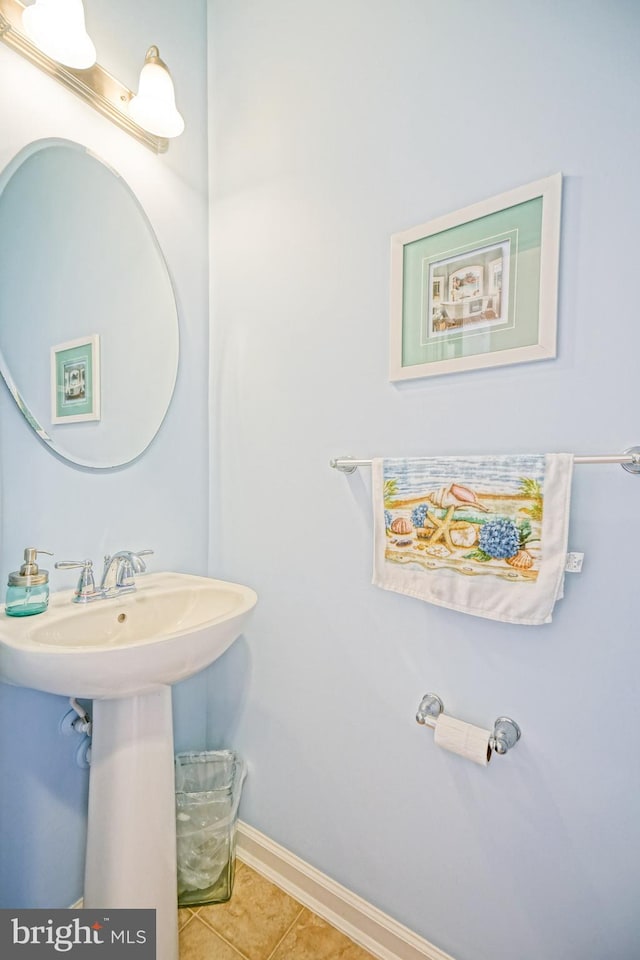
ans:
(373, 930)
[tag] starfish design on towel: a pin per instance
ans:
(442, 527)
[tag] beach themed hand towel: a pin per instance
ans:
(483, 535)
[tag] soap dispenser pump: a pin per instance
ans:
(28, 587)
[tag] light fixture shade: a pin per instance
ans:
(154, 108)
(57, 28)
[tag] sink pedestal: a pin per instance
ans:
(131, 836)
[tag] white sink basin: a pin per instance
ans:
(173, 626)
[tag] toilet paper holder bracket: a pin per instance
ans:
(506, 731)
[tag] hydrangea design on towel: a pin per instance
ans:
(484, 519)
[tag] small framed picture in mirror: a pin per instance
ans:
(75, 380)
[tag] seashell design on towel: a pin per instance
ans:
(401, 525)
(464, 534)
(455, 495)
(522, 560)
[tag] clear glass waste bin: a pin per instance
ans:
(208, 788)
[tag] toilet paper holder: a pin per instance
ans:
(506, 731)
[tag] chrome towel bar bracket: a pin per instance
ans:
(506, 731)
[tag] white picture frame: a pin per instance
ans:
(75, 380)
(496, 263)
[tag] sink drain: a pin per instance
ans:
(122, 617)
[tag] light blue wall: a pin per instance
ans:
(162, 500)
(335, 125)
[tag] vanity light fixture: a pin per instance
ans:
(57, 28)
(154, 107)
(21, 28)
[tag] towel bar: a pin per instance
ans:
(506, 731)
(629, 461)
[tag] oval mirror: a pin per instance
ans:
(88, 316)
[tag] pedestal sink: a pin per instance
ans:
(124, 653)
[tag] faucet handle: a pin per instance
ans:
(137, 563)
(124, 573)
(129, 565)
(130, 562)
(86, 584)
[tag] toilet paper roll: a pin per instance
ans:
(463, 738)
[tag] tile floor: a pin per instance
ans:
(260, 922)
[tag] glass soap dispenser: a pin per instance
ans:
(28, 587)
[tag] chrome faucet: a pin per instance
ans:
(119, 571)
(118, 576)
